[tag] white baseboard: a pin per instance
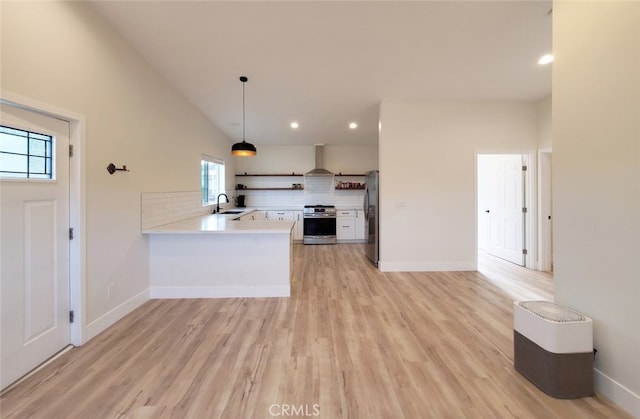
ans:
(617, 393)
(108, 319)
(220, 292)
(426, 266)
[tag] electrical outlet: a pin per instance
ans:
(110, 291)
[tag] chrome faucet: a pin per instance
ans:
(217, 209)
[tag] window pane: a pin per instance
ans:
(205, 182)
(39, 136)
(37, 148)
(12, 164)
(14, 131)
(39, 176)
(212, 176)
(36, 165)
(25, 154)
(13, 144)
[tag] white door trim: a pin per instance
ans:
(545, 244)
(77, 205)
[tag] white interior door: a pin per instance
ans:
(34, 244)
(503, 213)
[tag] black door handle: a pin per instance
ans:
(487, 211)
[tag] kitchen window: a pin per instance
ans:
(212, 177)
(25, 154)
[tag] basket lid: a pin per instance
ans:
(552, 311)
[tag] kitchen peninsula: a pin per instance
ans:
(220, 256)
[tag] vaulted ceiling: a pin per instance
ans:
(327, 63)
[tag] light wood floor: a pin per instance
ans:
(351, 342)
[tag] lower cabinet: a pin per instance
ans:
(346, 225)
(350, 225)
(254, 216)
(360, 225)
(288, 215)
(298, 228)
(280, 215)
(277, 215)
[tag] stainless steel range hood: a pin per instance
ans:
(319, 169)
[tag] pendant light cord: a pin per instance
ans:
(243, 82)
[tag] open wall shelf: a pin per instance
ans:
(270, 189)
(272, 174)
(293, 174)
(340, 174)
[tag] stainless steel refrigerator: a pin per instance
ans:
(371, 216)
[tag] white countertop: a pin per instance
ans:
(222, 224)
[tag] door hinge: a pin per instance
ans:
(70, 150)
(524, 209)
(71, 233)
(524, 251)
(71, 316)
(524, 168)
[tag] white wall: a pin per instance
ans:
(301, 159)
(596, 182)
(64, 55)
(427, 176)
(544, 123)
(278, 160)
(351, 159)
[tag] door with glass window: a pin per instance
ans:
(34, 244)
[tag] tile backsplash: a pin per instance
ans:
(158, 208)
(319, 190)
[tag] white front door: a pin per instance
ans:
(504, 212)
(34, 244)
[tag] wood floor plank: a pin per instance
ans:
(350, 342)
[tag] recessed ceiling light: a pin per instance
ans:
(545, 59)
(294, 125)
(353, 125)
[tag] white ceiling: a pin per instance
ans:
(326, 63)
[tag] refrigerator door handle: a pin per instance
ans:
(366, 202)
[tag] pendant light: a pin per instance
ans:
(243, 149)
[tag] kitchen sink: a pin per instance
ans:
(232, 212)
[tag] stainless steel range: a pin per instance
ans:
(319, 224)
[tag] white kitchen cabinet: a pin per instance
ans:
(254, 216)
(280, 215)
(350, 226)
(360, 225)
(346, 225)
(298, 228)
